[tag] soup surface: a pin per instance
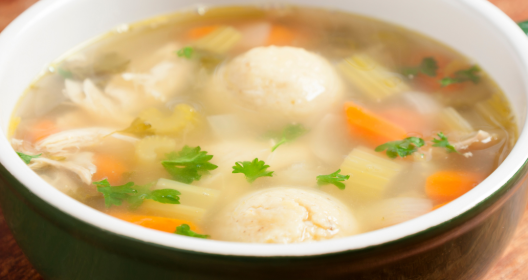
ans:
(264, 124)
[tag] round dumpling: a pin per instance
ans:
(285, 215)
(285, 80)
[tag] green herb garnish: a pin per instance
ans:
(134, 195)
(401, 148)
(252, 169)
(66, 74)
(188, 165)
(461, 76)
(444, 143)
(27, 158)
(333, 178)
(207, 59)
(428, 66)
(288, 134)
(186, 52)
(185, 229)
(114, 195)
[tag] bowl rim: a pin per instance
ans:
(490, 186)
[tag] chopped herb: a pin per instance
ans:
(27, 158)
(189, 164)
(428, 66)
(444, 143)
(100, 71)
(139, 128)
(207, 59)
(134, 194)
(461, 76)
(401, 148)
(186, 52)
(66, 74)
(185, 229)
(288, 134)
(333, 178)
(114, 195)
(252, 169)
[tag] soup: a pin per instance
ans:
(264, 124)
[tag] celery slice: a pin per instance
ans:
(175, 211)
(190, 195)
(453, 121)
(496, 111)
(372, 79)
(370, 174)
(219, 41)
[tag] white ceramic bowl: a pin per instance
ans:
(473, 27)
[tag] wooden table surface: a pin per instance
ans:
(512, 265)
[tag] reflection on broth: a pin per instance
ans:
(267, 125)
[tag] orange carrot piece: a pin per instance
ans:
(444, 186)
(280, 36)
(440, 205)
(409, 120)
(445, 69)
(371, 127)
(109, 168)
(153, 222)
(43, 129)
(202, 31)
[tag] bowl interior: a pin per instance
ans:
(473, 27)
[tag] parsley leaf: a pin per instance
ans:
(114, 195)
(444, 143)
(27, 158)
(207, 59)
(252, 169)
(462, 76)
(66, 74)
(428, 66)
(189, 164)
(401, 148)
(288, 134)
(186, 52)
(333, 178)
(185, 230)
(134, 194)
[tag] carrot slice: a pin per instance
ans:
(157, 223)
(409, 120)
(440, 205)
(202, 31)
(280, 36)
(371, 127)
(444, 186)
(43, 129)
(109, 168)
(446, 68)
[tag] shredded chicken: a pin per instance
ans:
(79, 163)
(480, 137)
(72, 140)
(163, 80)
(93, 100)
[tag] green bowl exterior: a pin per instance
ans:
(63, 247)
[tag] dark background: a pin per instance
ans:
(512, 265)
